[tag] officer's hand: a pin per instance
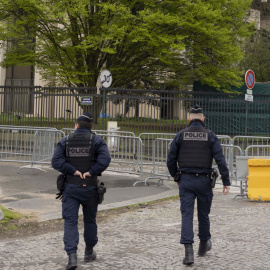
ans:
(59, 196)
(79, 174)
(226, 190)
(86, 174)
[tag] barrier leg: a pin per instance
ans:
(32, 166)
(242, 190)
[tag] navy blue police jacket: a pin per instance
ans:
(59, 161)
(216, 152)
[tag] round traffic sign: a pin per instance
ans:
(106, 78)
(250, 79)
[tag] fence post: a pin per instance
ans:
(103, 108)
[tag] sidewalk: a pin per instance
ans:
(33, 191)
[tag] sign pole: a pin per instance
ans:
(246, 118)
(106, 81)
(250, 82)
(103, 108)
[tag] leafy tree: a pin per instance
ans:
(257, 56)
(263, 7)
(142, 42)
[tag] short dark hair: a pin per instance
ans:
(83, 124)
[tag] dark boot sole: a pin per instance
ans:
(71, 267)
(188, 263)
(89, 260)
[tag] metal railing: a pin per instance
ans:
(98, 132)
(258, 150)
(126, 154)
(134, 109)
(25, 145)
(148, 140)
(244, 141)
(145, 156)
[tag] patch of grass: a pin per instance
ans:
(9, 215)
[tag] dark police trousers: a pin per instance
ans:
(73, 197)
(190, 188)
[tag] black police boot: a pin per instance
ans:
(189, 255)
(72, 261)
(89, 254)
(204, 247)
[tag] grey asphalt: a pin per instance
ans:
(32, 191)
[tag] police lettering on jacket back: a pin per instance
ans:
(195, 136)
(83, 151)
(80, 152)
(195, 150)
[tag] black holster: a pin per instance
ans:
(101, 191)
(214, 176)
(61, 182)
(177, 177)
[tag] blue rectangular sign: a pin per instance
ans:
(87, 100)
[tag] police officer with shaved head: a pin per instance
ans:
(81, 157)
(190, 163)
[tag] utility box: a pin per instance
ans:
(112, 139)
(259, 179)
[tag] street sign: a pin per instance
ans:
(250, 79)
(87, 100)
(249, 97)
(249, 91)
(106, 78)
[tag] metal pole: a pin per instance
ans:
(103, 109)
(246, 118)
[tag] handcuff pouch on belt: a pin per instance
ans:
(214, 175)
(60, 183)
(101, 191)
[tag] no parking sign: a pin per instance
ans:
(250, 79)
(250, 82)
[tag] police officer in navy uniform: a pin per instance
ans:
(193, 149)
(81, 156)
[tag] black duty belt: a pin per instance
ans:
(197, 174)
(82, 182)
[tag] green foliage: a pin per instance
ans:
(142, 42)
(257, 55)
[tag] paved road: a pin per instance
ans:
(148, 238)
(33, 191)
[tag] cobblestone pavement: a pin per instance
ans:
(148, 238)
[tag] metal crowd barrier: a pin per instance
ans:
(34, 146)
(126, 154)
(230, 152)
(161, 147)
(258, 150)
(148, 140)
(98, 132)
(225, 139)
(145, 155)
(245, 141)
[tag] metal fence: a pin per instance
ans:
(126, 154)
(137, 111)
(144, 156)
(27, 145)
